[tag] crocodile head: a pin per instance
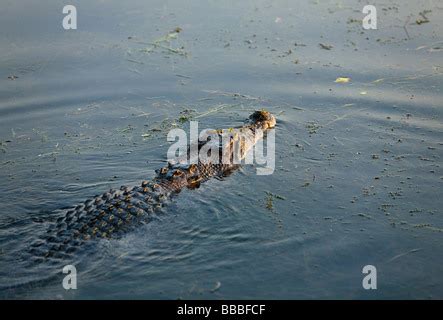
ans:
(221, 153)
(262, 119)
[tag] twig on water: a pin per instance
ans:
(406, 30)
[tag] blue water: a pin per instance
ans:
(358, 174)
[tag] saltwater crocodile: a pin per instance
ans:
(110, 214)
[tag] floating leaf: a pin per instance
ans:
(325, 46)
(342, 80)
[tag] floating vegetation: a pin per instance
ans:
(368, 191)
(145, 135)
(269, 205)
(164, 126)
(233, 95)
(312, 127)
(378, 80)
(183, 76)
(342, 80)
(325, 46)
(127, 129)
(164, 43)
(409, 226)
(3, 145)
(403, 254)
(134, 61)
(423, 18)
(184, 118)
(179, 51)
(216, 109)
(170, 36)
(186, 115)
(363, 215)
(385, 207)
(89, 108)
(427, 226)
(269, 201)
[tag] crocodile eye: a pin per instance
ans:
(177, 173)
(192, 168)
(163, 170)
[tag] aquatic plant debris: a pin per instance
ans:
(312, 127)
(342, 80)
(270, 200)
(423, 18)
(325, 46)
(403, 254)
(186, 115)
(166, 39)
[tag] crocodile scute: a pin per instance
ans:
(118, 210)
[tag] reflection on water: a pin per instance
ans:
(357, 179)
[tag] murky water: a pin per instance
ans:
(358, 174)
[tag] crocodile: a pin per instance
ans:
(114, 212)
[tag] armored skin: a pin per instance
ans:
(116, 211)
